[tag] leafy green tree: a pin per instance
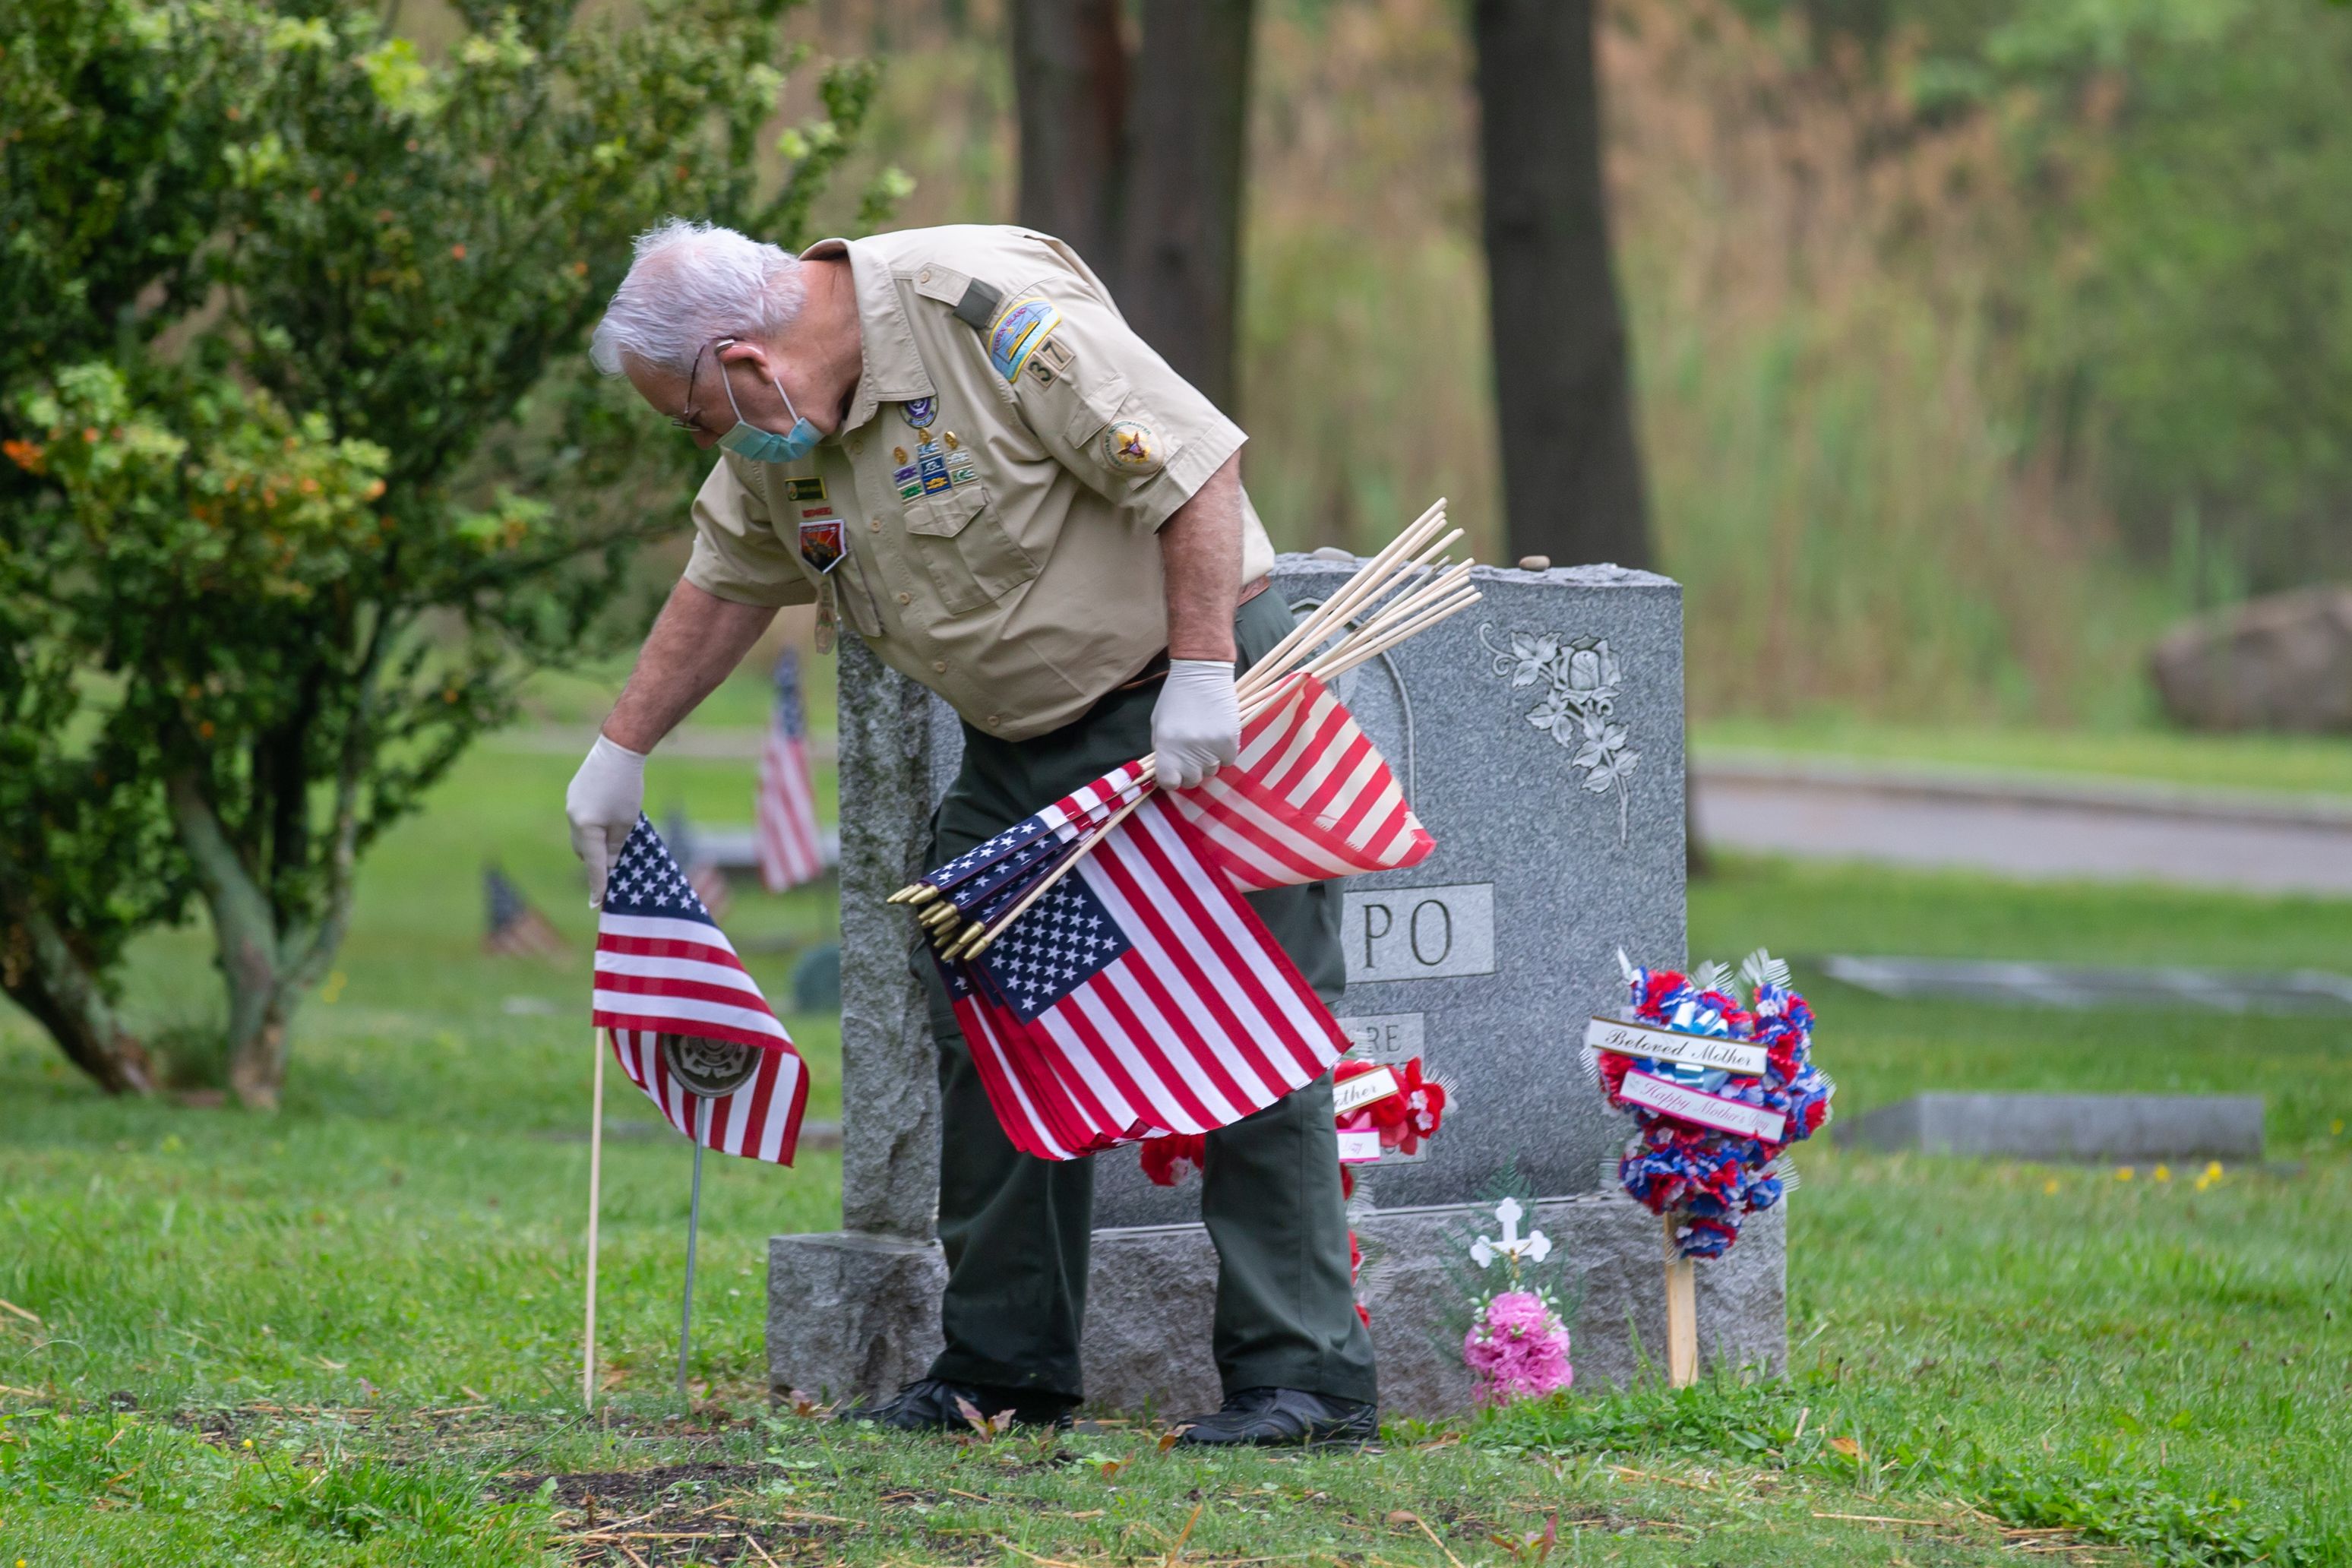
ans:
(306, 471)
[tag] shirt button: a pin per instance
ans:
(940, 666)
(991, 720)
(874, 523)
(905, 598)
(924, 276)
(856, 444)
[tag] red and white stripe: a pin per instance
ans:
(1309, 798)
(789, 844)
(760, 1120)
(1203, 1021)
(678, 977)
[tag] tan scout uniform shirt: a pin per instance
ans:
(994, 497)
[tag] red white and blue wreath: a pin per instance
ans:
(1718, 1088)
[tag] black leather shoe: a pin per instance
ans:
(930, 1405)
(1285, 1417)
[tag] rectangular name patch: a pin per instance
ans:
(1706, 1110)
(1364, 1089)
(1665, 1044)
(807, 489)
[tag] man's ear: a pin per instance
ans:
(742, 350)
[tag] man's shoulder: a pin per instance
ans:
(1004, 256)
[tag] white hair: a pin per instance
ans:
(689, 283)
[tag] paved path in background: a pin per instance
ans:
(2036, 827)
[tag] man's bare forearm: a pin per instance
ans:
(1201, 556)
(696, 643)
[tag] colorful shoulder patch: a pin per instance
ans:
(1018, 332)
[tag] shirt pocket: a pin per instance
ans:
(964, 546)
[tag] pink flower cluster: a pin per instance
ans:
(1516, 1349)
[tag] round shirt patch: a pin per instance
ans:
(1132, 446)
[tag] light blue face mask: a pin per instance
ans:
(753, 445)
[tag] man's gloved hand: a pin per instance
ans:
(1196, 728)
(603, 802)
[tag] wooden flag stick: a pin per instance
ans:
(1355, 598)
(1356, 651)
(1319, 622)
(596, 1182)
(1682, 1315)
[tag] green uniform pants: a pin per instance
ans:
(1015, 1228)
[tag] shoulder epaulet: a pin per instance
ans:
(978, 306)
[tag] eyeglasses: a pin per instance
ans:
(686, 418)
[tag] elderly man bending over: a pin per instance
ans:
(950, 440)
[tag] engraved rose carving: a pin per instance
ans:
(1579, 677)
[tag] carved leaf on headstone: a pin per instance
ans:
(1579, 677)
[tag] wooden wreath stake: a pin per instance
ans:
(1682, 1315)
(595, 1177)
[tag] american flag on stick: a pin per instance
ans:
(686, 1022)
(790, 847)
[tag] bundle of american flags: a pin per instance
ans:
(688, 1025)
(1111, 981)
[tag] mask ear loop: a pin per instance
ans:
(728, 383)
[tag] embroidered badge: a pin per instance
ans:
(812, 488)
(922, 411)
(810, 514)
(1054, 358)
(960, 470)
(1128, 444)
(823, 544)
(908, 479)
(1018, 332)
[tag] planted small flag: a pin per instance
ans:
(790, 847)
(1309, 798)
(685, 1018)
(515, 929)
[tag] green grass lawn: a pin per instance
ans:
(378, 1289)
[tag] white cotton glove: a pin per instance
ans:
(606, 796)
(1196, 728)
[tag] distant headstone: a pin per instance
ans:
(816, 979)
(2085, 987)
(2279, 663)
(2122, 1129)
(1541, 738)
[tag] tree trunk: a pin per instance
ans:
(1571, 468)
(1180, 271)
(1070, 81)
(41, 974)
(1139, 164)
(262, 989)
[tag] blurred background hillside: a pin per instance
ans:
(1974, 341)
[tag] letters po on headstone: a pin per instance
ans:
(1420, 934)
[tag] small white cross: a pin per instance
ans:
(1534, 1248)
